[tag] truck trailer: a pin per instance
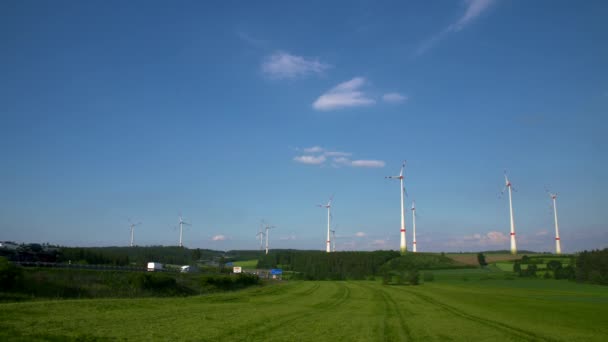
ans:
(155, 266)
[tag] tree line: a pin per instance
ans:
(318, 265)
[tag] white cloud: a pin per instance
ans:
(378, 243)
(218, 238)
(394, 98)
(249, 39)
(282, 65)
(367, 163)
(313, 160)
(542, 233)
(336, 154)
(314, 149)
(360, 234)
(346, 94)
(317, 155)
(480, 240)
(474, 8)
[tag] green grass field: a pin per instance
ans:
(463, 305)
(249, 264)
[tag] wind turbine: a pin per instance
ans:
(400, 177)
(414, 224)
(333, 239)
(558, 246)
(513, 244)
(133, 225)
(261, 235)
(268, 228)
(181, 228)
(328, 206)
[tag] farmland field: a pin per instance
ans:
(458, 305)
(246, 263)
(471, 258)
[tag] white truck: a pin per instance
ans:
(155, 266)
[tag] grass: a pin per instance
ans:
(471, 258)
(248, 264)
(463, 305)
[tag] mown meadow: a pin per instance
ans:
(458, 304)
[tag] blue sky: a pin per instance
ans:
(234, 112)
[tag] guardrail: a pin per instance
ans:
(80, 266)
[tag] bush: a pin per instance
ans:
(517, 267)
(481, 259)
(428, 276)
(554, 265)
(565, 273)
(413, 277)
(9, 274)
(593, 267)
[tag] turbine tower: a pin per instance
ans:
(181, 228)
(133, 225)
(333, 240)
(558, 246)
(328, 206)
(513, 244)
(261, 235)
(403, 246)
(268, 228)
(414, 225)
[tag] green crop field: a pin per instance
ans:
(464, 305)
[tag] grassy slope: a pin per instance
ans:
(459, 304)
(471, 258)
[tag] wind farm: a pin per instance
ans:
(228, 171)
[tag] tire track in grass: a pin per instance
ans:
(404, 327)
(392, 309)
(256, 331)
(341, 295)
(515, 332)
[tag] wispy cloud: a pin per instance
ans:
(394, 98)
(492, 238)
(367, 163)
(291, 237)
(309, 159)
(360, 234)
(317, 155)
(253, 41)
(336, 154)
(314, 149)
(379, 243)
(346, 94)
(283, 65)
(219, 238)
(473, 9)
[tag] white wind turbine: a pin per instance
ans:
(328, 206)
(414, 225)
(181, 228)
(132, 226)
(508, 186)
(403, 246)
(261, 235)
(558, 246)
(268, 228)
